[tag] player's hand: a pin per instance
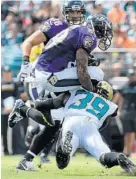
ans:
(93, 61)
(25, 71)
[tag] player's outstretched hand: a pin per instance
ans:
(25, 71)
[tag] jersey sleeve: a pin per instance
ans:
(46, 28)
(87, 41)
(53, 26)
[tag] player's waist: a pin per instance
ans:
(48, 67)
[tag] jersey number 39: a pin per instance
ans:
(94, 105)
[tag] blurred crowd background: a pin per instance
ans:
(21, 18)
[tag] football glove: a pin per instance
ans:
(26, 69)
(93, 61)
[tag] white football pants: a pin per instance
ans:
(64, 79)
(85, 135)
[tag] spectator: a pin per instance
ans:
(130, 6)
(122, 40)
(8, 94)
(56, 10)
(116, 14)
(19, 131)
(99, 9)
(128, 114)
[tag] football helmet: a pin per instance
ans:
(102, 27)
(105, 90)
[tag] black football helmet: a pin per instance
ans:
(71, 6)
(102, 28)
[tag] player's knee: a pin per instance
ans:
(109, 159)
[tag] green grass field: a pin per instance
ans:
(81, 167)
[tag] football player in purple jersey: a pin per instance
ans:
(88, 42)
(74, 12)
(73, 46)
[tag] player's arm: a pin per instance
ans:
(42, 111)
(51, 103)
(82, 71)
(36, 38)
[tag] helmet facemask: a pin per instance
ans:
(105, 42)
(103, 30)
(105, 90)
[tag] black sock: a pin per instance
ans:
(48, 147)
(28, 156)
(109, 159)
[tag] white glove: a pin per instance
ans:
(25, 71)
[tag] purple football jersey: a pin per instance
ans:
(61, 49)
(52, 27)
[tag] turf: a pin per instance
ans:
(81, 167)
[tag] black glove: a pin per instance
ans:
(93, 61)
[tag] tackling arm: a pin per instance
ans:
(82, 64)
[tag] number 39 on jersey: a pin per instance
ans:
(92, 104)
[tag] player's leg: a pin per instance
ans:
(30, 133)
(20, 111)
(68, 142)
(94, 144)
(41, 140)
(45, 151)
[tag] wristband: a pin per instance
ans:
(25, 60)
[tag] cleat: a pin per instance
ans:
(15, 116)
(126, 164)
(64, 150)
(67, 147)
(29, 136)
(25, 165)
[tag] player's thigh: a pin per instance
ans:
(71, 73)
(41, 79)
(71, 124)
(93, 142)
